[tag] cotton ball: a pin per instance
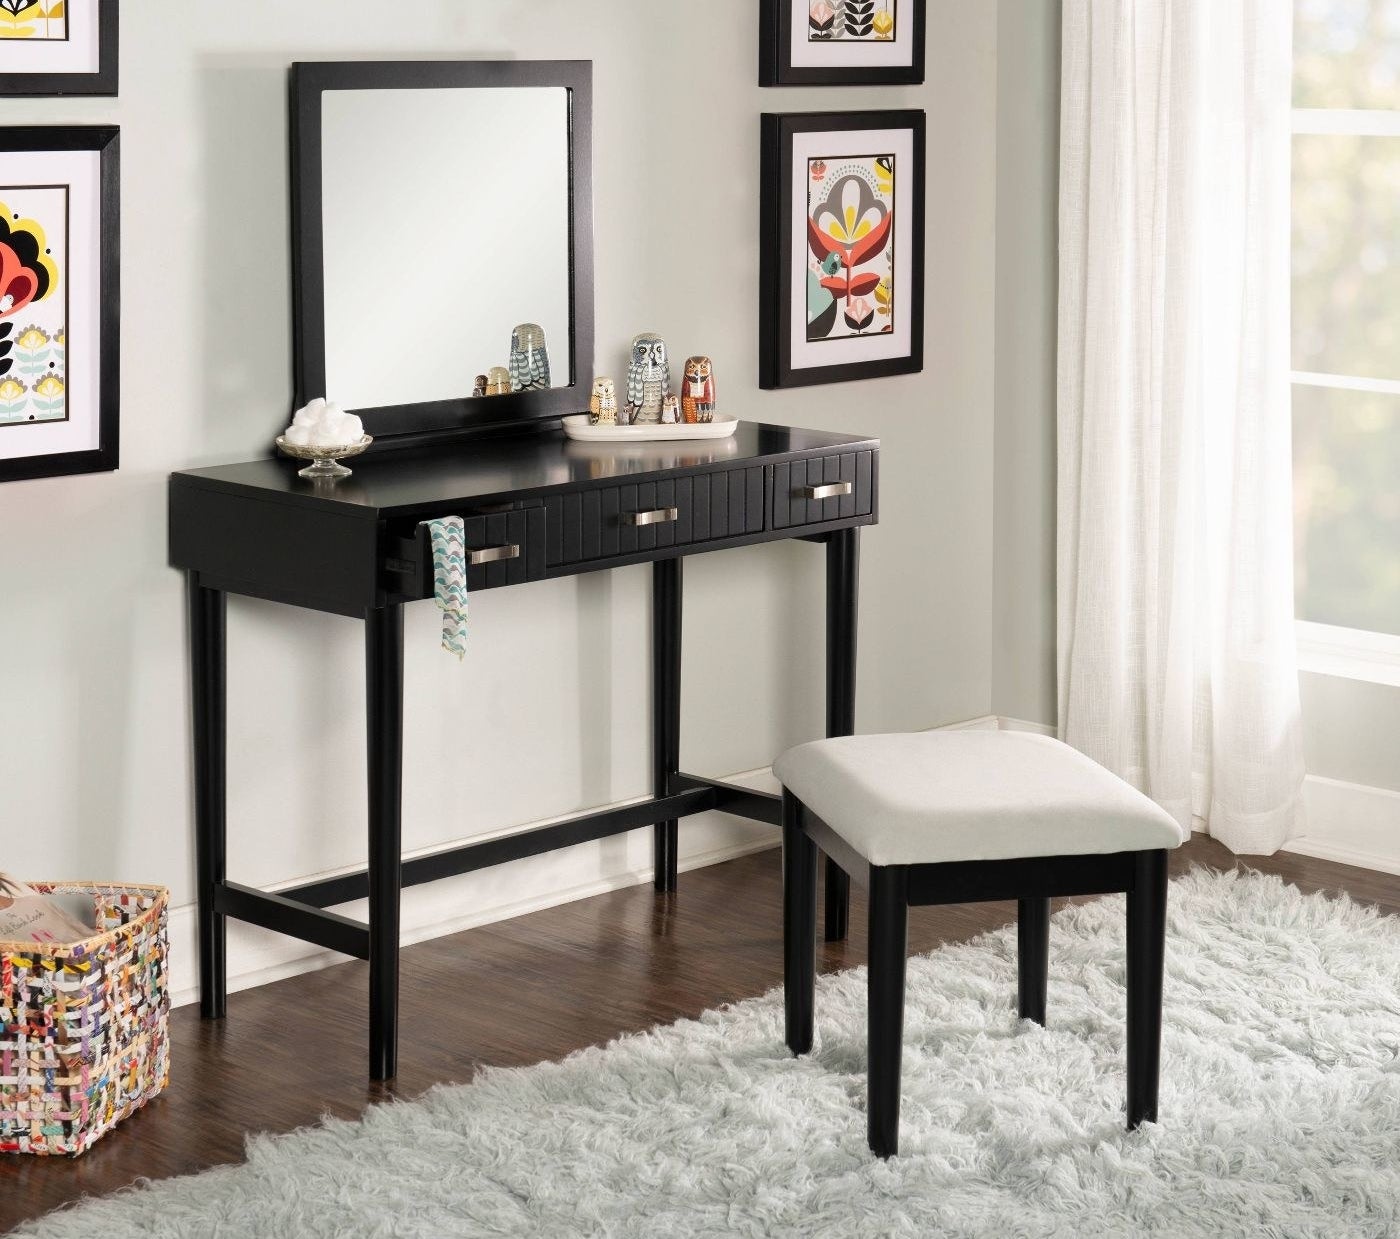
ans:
(297, 435)
(354, 427)
(310, 414)
(342, 425)
(325, 435)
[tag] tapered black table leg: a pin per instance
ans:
(384, 697)
(665, 708)
(209, 680)
(799, 928)
(1032, 957)
(889, 920)
(1147, 937)
(842, 583)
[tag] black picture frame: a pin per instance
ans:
(776, 207)
(106, 140)
(103, 82)
(775, 43)
(412, 424)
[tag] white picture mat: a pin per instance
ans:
(445, 223)
(806, 354)
(81, 171)
(77, 54)
(852, 53)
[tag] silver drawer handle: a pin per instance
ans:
(829, 491)
(657, 516)
(492, 554)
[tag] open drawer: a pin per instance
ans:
(503, 548)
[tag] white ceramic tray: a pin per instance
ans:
(577, 427)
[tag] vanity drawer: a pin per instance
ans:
(632, 518)
(824, 488)
(503, 548)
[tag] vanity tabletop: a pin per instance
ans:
(398, 482)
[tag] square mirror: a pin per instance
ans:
(442, 226)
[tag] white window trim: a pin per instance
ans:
(1329, 649)
(1358, 122)
(1350, 382)
(1350, 653)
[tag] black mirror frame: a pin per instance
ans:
(402, 425)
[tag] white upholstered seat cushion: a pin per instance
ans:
(933, 796)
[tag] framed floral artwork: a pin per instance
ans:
(841, 42)
(58, 47)
(841, 251)
(59, 300)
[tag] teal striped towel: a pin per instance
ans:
(450, 581)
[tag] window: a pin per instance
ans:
(1346, 323)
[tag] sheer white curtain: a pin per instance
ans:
(1177, 666)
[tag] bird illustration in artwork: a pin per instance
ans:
(648, 378)
(529, 360)
(821, 301)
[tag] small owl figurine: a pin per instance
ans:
(670, 410)
(479, 387)
(498, 381)
(698, 390)
(648, 378)
(602, 403)
(529, 360)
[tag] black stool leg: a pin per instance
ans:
(889, 919)
(1147, 935)
(799, 927)
(1032, 956)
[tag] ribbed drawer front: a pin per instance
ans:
(598, 524)
(512, 543)
(850, 471)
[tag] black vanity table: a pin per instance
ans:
(535, 506)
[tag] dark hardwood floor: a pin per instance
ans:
(511, 993)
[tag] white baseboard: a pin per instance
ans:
(1350, 823)
(1023, 724)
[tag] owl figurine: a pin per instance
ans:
(648, 379)
(529, 360)
(670, 411)
(479, 387)
(602, 403)
(498, 381)
(698, 390)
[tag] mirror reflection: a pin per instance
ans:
(445, 243)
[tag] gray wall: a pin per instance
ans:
(549, 711)
(1023, 598)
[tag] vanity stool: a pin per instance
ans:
(964, 817)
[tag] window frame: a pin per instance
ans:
(1333, 649)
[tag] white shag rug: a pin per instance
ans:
(1280, 1112)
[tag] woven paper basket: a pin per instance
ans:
(83, 1027)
